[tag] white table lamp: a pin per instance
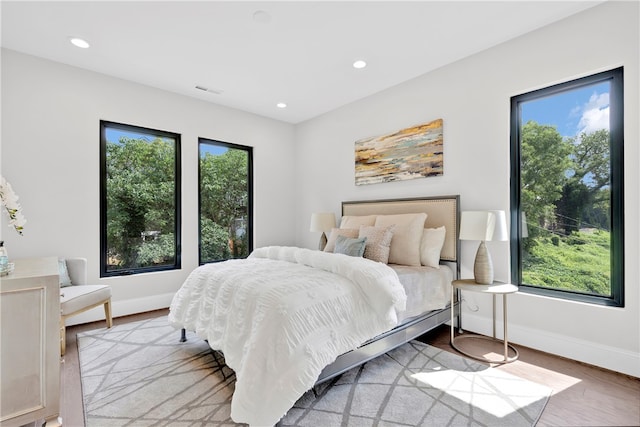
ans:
(483, 226)
(323, 222)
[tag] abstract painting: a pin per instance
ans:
(410, 153)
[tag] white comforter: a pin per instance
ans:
(281, 316)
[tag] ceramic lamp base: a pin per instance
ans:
(323, 241)
(483, 267)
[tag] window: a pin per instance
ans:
(140, 199)
(226, 200)
(567, 210)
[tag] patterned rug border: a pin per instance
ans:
(143, 359)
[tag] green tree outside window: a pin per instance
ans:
(225, 172)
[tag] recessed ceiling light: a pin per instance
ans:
(78, 42)
(359, 64)
(261, 17)
(281, 105)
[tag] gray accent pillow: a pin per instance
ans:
(65, 280)
(335, 232)
(349, 246)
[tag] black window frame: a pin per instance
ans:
(250, 218)
(616, 168)
(104, 124)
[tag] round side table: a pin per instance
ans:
(496, 288)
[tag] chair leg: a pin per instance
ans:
(107, 313)
(63, 337)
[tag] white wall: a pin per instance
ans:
(50, 155)
(472, 96)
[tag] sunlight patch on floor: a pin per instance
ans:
(557, 381)
(491, 390)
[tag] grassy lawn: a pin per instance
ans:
(579, 262)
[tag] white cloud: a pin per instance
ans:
(595, 114)
(575, 111)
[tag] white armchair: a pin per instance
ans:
(80, 297)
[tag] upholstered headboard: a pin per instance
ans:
(440, 210)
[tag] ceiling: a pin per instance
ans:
(252, 55)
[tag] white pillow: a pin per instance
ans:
(431, 246)
(352, 221)
(407, 235)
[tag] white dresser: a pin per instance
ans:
(30, 343)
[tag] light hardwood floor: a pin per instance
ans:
(583, 395)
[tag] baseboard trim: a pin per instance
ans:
(604, 356)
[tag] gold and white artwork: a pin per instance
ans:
(415, 152)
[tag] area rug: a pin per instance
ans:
(139, 374)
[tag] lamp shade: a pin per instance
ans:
(322, 221)
(483, 225)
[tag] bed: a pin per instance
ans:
(289, 318)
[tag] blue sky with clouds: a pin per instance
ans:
(580, 110)
(212, 149)
(114, 135)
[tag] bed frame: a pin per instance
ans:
(442, 210)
